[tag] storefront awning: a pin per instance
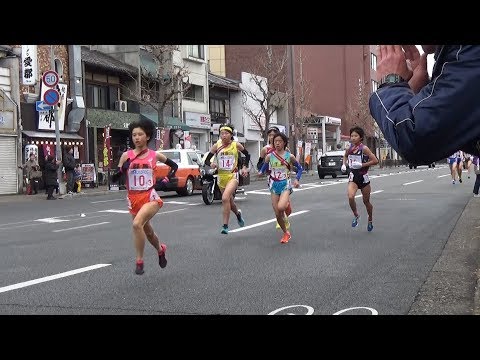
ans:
(170, 122)
(51, 135)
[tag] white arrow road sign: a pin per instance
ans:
(41, 106)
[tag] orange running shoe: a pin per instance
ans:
(286, 236)
(288, 210)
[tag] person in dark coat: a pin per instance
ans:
(51, 167)
(69, 165)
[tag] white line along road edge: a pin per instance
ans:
(51, 277)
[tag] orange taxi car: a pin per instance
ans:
(187, 178)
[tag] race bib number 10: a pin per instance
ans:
(140, 179)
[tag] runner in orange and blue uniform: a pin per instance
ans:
(360, 158)
(143, 201)
(280, 161)
(226, 150)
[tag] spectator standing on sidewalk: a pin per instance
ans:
(69, 165)
(31, 169)
(51, 167)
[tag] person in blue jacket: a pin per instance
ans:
(427, 119)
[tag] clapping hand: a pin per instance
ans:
(418, 65)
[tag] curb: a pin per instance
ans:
(476, 299)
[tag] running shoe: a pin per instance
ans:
(453, 182)
(460, 180)
(139, 268)
(285, 238)
(355, 221)
(369, 226)
(224, 230)
(162, 260)
(240, 220)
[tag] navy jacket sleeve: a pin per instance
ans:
(443, 117)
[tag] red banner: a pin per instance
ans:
(107, 149)
(48, 150)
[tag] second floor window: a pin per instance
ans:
(373, 61)
(217, 107)
(196, 51)
(194, 93)
(101, 96)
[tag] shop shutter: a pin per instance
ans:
(8, 165)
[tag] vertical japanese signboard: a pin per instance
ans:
(29, 64)
(107, 150)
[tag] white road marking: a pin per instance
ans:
(439, 176)
(166, 212)
(51, 220)
(176, 202)
(51, 277)
(116, 211)
(81, 227)
(413, 182)
(266, 222)
(103, 201)
(373, 192)
(257, 192)
(42, 223)
(402, 199)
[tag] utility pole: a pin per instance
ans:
(58, 149)
(292, 111)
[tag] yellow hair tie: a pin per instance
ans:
(227, 128)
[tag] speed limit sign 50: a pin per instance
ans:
(50, 78)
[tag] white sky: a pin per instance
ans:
(430, 60)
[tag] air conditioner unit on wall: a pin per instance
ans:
(121, 105)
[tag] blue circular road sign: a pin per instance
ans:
(51, 97)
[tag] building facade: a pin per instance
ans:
(195, 101)
(10, 137)
(333, 73)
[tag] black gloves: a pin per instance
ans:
(120, 171)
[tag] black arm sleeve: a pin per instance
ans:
(247, 156)
(116, 175)
(173, 167)
(209, 157)
(260, 163)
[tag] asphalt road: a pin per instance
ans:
(76, 256)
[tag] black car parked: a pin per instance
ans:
(331, 164)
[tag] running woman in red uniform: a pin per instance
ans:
(139, 166)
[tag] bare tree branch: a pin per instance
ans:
(268, 97)
(303, 99)
(358, 111)
(161, 81)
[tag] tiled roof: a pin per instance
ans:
(104, 61)
(221, 81)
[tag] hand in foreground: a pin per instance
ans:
(392, 60)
